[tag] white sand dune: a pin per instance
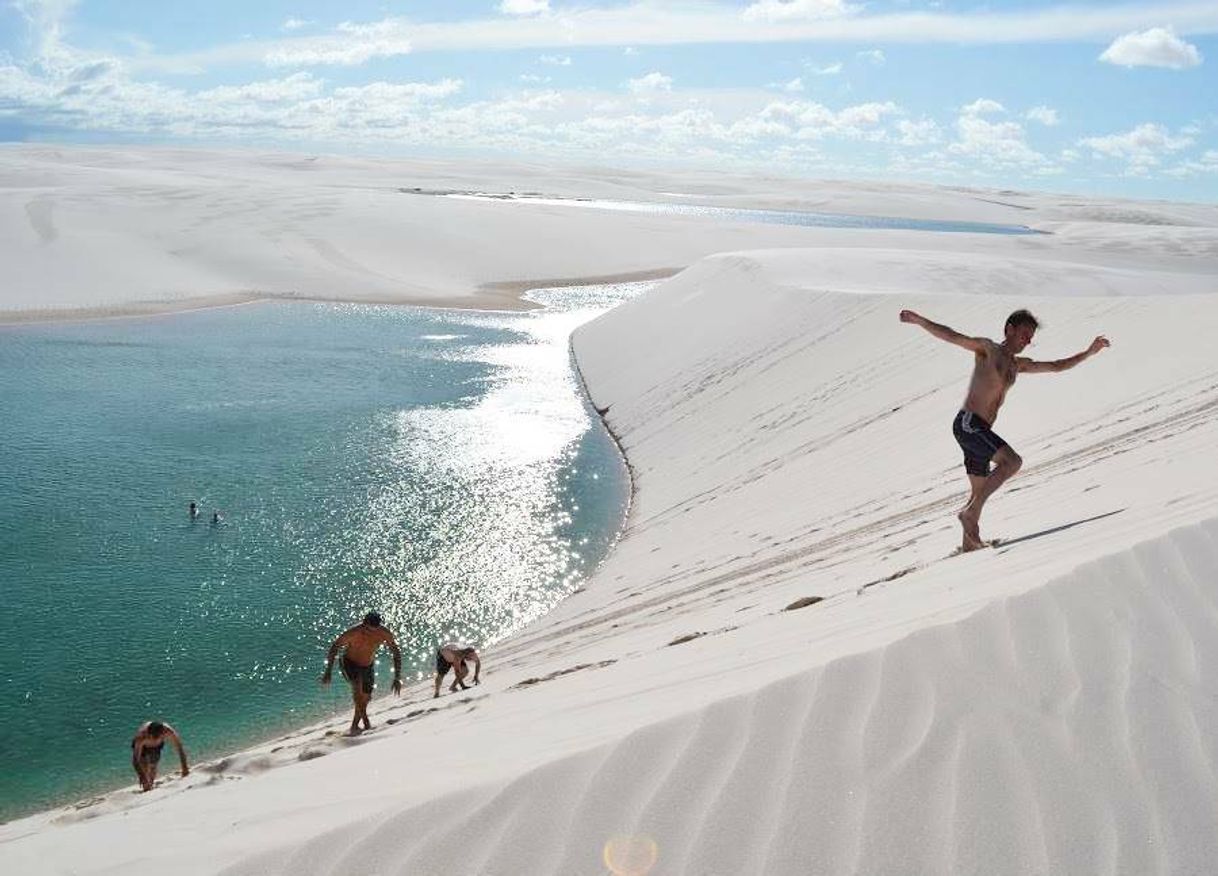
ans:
(1048, 706)
(95, 232)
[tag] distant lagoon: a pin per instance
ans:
(804, 218)
(441, 466)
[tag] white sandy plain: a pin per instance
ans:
(1047, 706)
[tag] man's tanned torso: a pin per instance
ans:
(994, 372)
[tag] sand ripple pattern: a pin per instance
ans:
(1069, 729)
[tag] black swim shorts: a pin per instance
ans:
(442, 664)
(354, 672)
(150, 754)
(978, 442)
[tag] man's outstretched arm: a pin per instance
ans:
(944, 333)
(1031, 366)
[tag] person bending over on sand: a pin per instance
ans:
(454, 656)
(146, 748)
(995, 366)
(361, 643)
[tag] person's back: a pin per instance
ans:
(362, 642)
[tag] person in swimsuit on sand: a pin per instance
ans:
(454, 656)
(994, 370)
(146, 748)
(361, 643)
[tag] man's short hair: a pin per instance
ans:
(156, 728)
(1022, 317)
(372, 619)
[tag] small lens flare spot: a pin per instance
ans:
(631, 855)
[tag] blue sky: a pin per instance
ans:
(1114, 98)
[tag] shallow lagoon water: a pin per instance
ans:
(439, 466)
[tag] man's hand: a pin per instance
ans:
(1098, 344)
(910, 316)
(397, 687)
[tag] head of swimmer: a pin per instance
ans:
(372, 619)
(156, 728)
(1021, 326)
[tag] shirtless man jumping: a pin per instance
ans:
(994, 370)
(361, 643)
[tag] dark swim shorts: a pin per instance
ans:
(150, 754)
(442, 664)
(978, 442)
(353, 672)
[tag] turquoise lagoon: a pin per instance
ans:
(440, 466)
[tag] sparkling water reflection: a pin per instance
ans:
(440, 466)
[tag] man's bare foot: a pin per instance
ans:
(971, 533)
(355, 730)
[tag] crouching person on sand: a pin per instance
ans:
(146, 748)
(455, 656)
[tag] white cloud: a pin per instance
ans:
(555, 60)
(295, 24)
(652, 22)
(805, 120)
(872, 56)
(982, 106)
(524, 7)
(651, 83)
(1142, 147)
(353, 44)
(796, 84)
(1157, 47)
(918, 133)
(827, 70)
(788, 10)
(298, 86)
(630, 51)
(533, 78)
(1047, 116)
(993, 143)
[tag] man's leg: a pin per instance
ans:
(459, 672)
(1006, 463)
(365, 698)
(140, 773)
(971, 537)
(356, 693)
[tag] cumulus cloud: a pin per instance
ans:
(999, 143)
(982, 106)
(1157, 47)
(918, 133)
(1043, 114)
(789, 10)
(524, 7)
(1141, 147)
(651, 83)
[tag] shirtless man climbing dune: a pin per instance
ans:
(995, 366)
(359, 645)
